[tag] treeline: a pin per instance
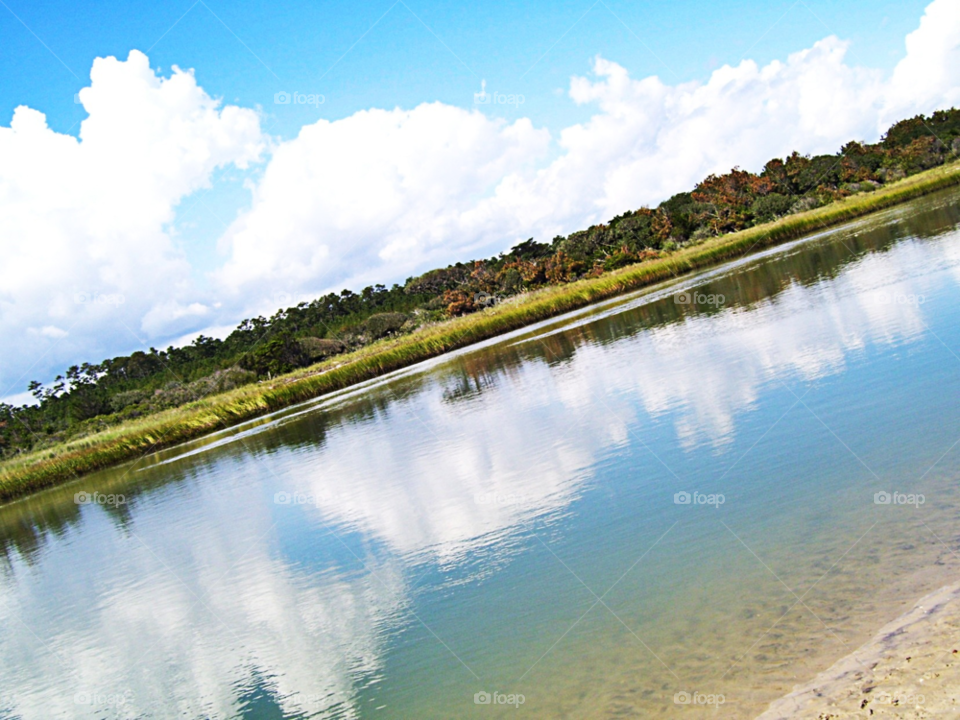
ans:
(89, 397)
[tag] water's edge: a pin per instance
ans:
(549, 304)
(910, 663)
(397, 547)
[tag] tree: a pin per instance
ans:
(280, 354)
(728, 199)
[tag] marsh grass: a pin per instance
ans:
(134, 439)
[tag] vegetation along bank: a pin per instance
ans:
(97, 415)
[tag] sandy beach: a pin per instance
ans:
(909, 669)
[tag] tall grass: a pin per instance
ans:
(44, 468)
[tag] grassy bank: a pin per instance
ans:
(134, 439)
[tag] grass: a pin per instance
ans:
(66, 461)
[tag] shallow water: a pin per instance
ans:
(504, 520)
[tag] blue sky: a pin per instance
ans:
(388, 54)
(192, 202)
(384, 54)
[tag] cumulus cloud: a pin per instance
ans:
(89, 261)
(379, 195)
(383, 194)
(378, 189)
(929, 76)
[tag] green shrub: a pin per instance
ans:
(131, 397)
(278, 355)
(511, 282)
(320, 348)
(770, 207)
(381, 324)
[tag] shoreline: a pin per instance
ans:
(909, 669)
(65, 462)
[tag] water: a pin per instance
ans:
(504, 520)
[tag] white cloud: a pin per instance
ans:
(380, 195)
(929, 76)
(50, 331)
(380, 189)
(162, 315)
(88, 263)
(383, 194)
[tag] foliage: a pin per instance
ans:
(319, 348)
(90, 397)
(382, 324)
(133, 438)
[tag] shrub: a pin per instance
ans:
(131, 397)
(280, 354)
(770, 207)
(436, 281)
(805, 203)
(510, 281)
(224, 380)
(618, 260)
(383, 324)
(319, 348)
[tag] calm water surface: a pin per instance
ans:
(506, 521)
